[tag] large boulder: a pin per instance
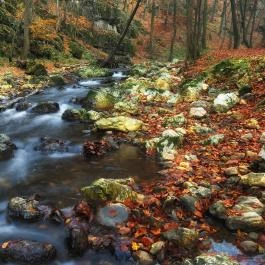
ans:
(100, 100)
(71, 115)
(208, 259)
(46, 107)
(109, 190)
(112, 214)
(26, 209)
(27, 252)
(254, 179)
(7, 147)
(225, 102)
(119, 123)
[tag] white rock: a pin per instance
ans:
(198, 113)
(225, 102)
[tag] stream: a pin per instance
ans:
(58, 177)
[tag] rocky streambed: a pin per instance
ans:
(99, 147)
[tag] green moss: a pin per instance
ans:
(36, 70)
(93, 71)
(76, 50)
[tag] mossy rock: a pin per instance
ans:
(93, 71)
(56, 80)
(100, 100)
(76, 50)
(37, 70)
(103, 190)
(175, 121)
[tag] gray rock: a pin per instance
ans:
(218, 210)
(157, 247)
(7, 147)
(22, 106)
(46, 107)
(249, 247)
(26, 209)
(27, 252)
(113, 214)
(225, 102)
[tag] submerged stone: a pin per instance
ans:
(26, 209)
(109, 190)
(46, 107)
(113, 214)
(7, 147)
(208, 259)
(27, 252)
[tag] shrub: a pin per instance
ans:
(76, 50)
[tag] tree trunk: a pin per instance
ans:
(253, 23)
(151, 45)
(110, 57)
(236, 34)
(223, 18)
(27, 22)
(205, 21)
(213, 9)
(174, 31)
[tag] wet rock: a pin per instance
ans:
(7, 147)
(100, 100)
(198, 113)
(22, 106)
(119, 123)
(175, 121)
(157, 247)
(209, 259)
(254, 179)
(183, 237)
(71, 115)
(249, 247)
(143, 258)
(214, 140)
(77, 236)
(113, 214)
(225, 102)
(26, 209)
(188, 202)
(27, 252)
(50, 145)
(46, 107)
(109, 190)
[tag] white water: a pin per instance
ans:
(119, 74)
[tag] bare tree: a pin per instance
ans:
(173, 40)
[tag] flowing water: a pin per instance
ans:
(58, 177)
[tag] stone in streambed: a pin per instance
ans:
(112, 214)
(22, 106)
(27, 252)
(7, 147)
(51, 145)
(46, 107)
(26, 209)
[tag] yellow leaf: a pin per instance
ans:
(5, 244)
(67, 221)
(135, 246)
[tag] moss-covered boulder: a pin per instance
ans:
(56, 80)
(162, 84)
(71, 115)
(46, 107)
(119, 123)
(254, 179)
(37, 70)
(100, 100)
(109, 190)
(126, 107)
(225, 102)
(7, 147)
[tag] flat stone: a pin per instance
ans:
(113, 214)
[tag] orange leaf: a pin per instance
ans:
(156, 231)
(147, 241)
(140, 232)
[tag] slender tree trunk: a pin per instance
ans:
(253, 23)
(236, 34)
(27, 22)
(112, 54)
(173, 40)
(213, 10)
(205, 22)
(223, 18)
(151, 37)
